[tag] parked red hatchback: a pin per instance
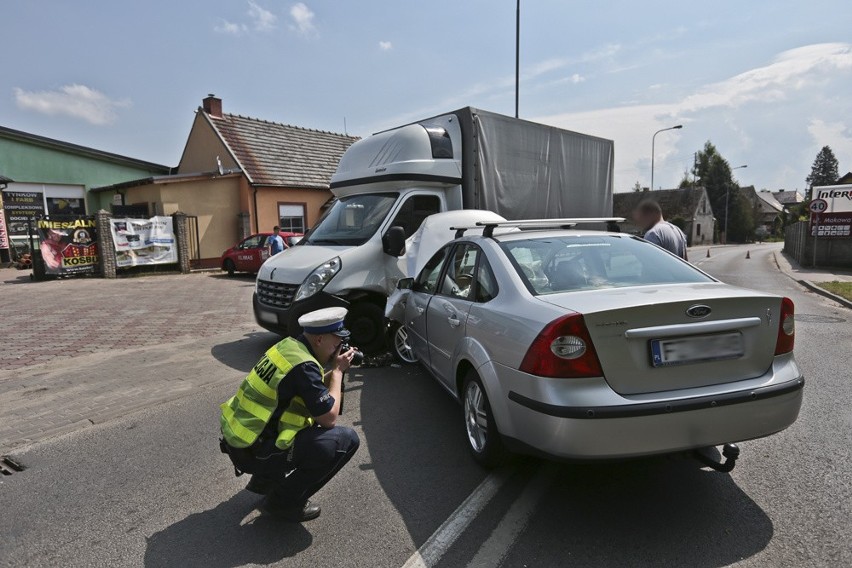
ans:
(251, 252)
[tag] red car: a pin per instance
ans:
(251, 252)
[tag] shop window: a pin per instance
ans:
(291, 218)
(65, 206)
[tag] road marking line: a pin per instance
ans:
(442, 539)
(494, 550)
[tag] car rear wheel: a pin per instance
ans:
(400, 344)
(483, 439)
(229, 267)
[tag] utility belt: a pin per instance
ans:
(240, 457)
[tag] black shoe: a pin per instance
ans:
(259, 485)
(293, 513)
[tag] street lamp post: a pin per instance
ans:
(653, 140)
(727, 191)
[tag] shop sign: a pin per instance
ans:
(141, 242)
(21, 207)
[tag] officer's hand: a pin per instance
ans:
(343, 360)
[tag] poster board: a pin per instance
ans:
(141, 242)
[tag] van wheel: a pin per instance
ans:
(229, 267)
(366, 321)
(483, 439)
(400, 344)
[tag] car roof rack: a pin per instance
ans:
(534, 224)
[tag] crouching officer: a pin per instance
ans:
(280, 426)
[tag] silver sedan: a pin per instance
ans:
(584, 345)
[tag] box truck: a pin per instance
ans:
(387, 184)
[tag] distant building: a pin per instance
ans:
(788, 198)
(55, 177)
(847, 179)
(239, 175)
(767, 211)
(688, 208)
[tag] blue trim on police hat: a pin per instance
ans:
(330, 328)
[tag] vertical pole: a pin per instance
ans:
(517, 55)
(727, 191)
(653, 139)
(816, 235)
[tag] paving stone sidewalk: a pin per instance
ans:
(80, 352)
(58, 319)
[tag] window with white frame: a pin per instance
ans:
(291, 218)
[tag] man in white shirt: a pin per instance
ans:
(649, 217)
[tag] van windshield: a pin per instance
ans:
(352, 220)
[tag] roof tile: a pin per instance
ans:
(280, 154)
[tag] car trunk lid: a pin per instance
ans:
(661, 338)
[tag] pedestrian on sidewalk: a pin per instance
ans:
(275, 243)
(649, 216)
(281, 425)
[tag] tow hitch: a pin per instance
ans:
(730, 451)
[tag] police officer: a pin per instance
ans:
(281, 425)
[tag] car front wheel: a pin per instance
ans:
(229, 267)
(483, 439)
(401, 344)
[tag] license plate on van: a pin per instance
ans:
(696, 349)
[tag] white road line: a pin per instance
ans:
(494, 550)
(442, 539)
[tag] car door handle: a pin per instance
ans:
(454, 321)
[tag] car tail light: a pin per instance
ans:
(563, 349)
(786, 328)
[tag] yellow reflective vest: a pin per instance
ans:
(246, 414)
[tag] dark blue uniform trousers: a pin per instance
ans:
(316, 456)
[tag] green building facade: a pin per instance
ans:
(54, 177)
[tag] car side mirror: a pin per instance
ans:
(405, 284)
(393, 243)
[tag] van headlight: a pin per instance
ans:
(317, 279)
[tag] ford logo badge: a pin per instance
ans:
(698, 311)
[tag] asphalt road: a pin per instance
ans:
(151, 489)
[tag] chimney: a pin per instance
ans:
(212, 105)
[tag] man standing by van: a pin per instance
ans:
(649, 216)
(275, 243)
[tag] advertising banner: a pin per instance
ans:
(68, 246)
(4, 237)
(20, 207)
(831, 211)
(140, 242)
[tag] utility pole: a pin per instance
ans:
(517, 55)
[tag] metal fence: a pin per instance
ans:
(194, 244)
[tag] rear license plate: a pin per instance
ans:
(696, 349)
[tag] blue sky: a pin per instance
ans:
(767, 82)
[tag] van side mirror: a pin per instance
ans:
(393, 243)
(405, 284)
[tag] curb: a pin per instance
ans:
(823, 292)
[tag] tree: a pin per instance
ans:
(713, 172)
(741, 224)
(823, 170)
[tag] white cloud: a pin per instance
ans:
(792, 74)
(834, 134)
(259, 19)
(230, 28)
(76, 101)
(262, 20)
(303, 19)
(385, 45)
(576, 78)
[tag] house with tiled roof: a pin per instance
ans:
(240, 175)
(768, 212)
(689, 208)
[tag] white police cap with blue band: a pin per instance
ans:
(326, 320)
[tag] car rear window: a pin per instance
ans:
(584, 262)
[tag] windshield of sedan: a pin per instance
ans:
(585, 262)
(352, 220)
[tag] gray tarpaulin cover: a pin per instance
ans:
(527, 170)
